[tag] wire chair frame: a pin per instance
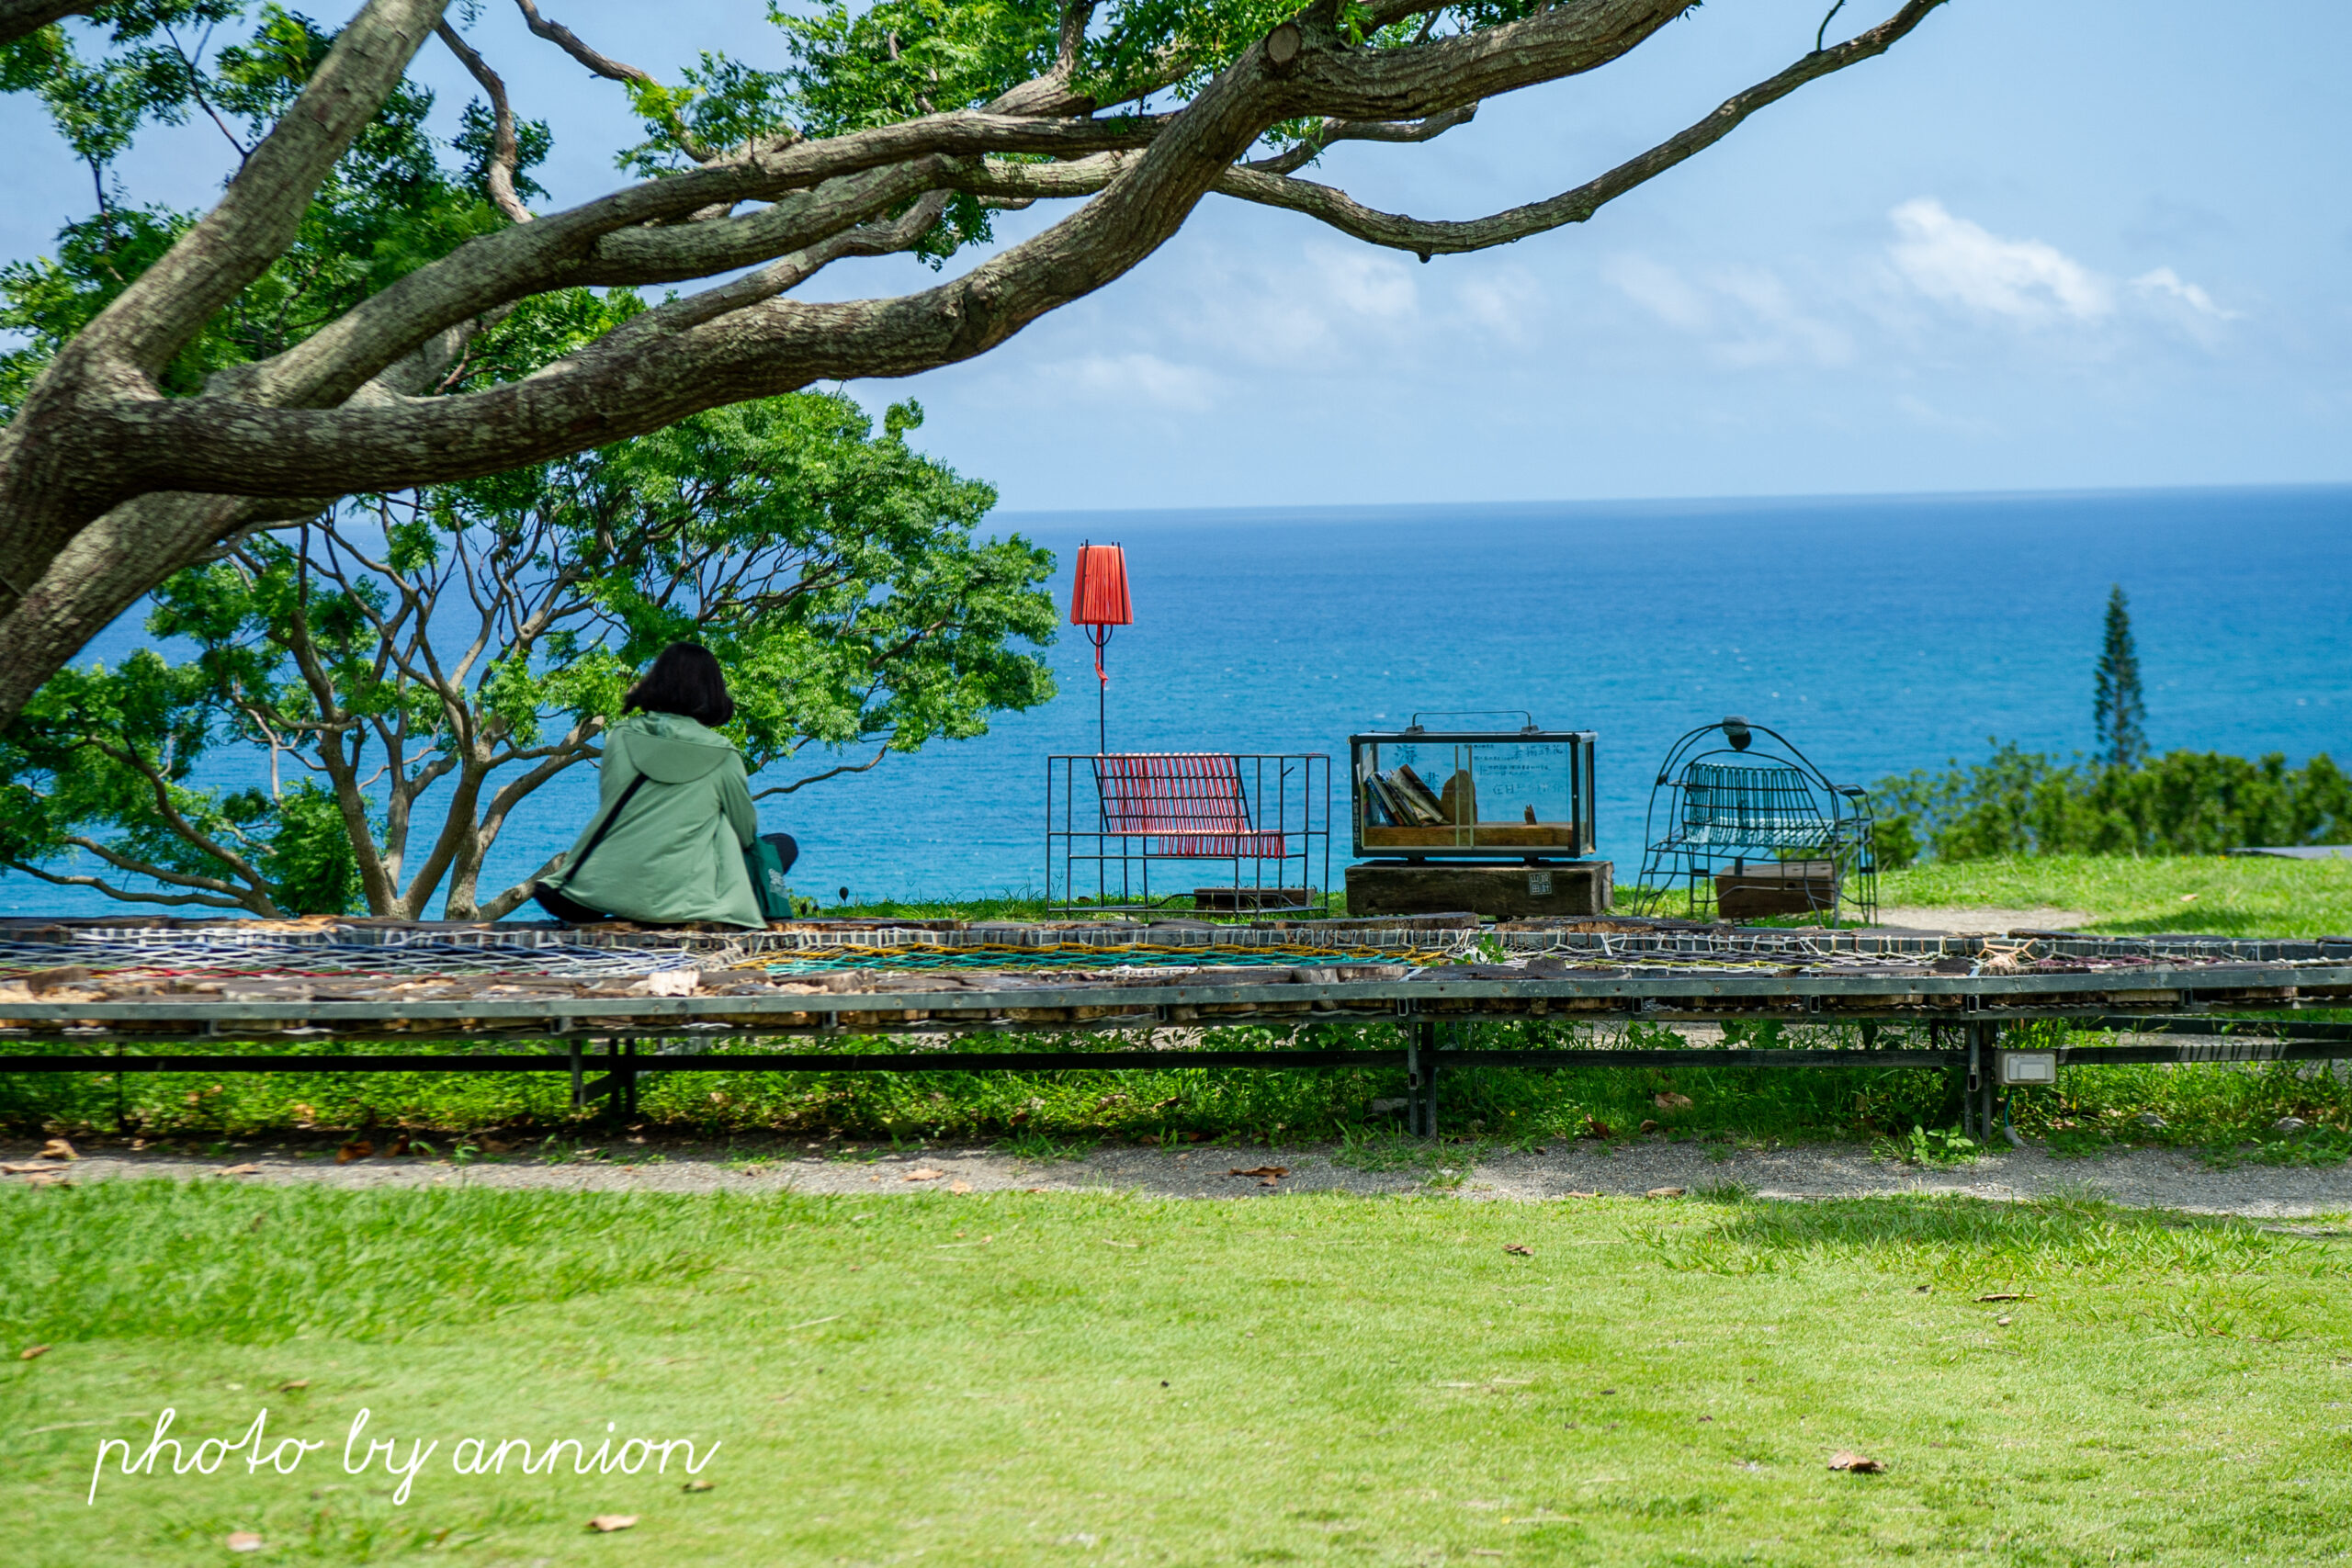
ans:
(1719, 804)
(1264, 816)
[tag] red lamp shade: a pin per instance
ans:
(1099, 596)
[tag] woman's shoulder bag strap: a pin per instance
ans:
(606, 825)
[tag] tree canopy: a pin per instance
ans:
(414, 671)
(189, 377)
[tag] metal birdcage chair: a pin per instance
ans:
(1742, 833)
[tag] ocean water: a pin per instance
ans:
(1879, 634)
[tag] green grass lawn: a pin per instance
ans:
(2215, 895)
(1103, 1380)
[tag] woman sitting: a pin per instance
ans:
(674, 811)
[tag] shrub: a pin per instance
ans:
(2023, 803)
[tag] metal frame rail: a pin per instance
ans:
(1213, 808)
(2194, 1003)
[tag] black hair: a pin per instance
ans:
(685, 678)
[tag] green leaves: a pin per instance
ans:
(2182, 802)
(480, 629)
(389, 206)
(832, 571)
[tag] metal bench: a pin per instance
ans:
(1259, 813)
(1750, 834)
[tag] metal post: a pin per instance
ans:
(1429, 1079)
(578, 1086)
(1992, 1089)
(1412, 1080)
(1968, 1104)
(628, 1078)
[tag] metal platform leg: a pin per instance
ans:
(627, 1098)
(578, 1085)
(1973, 1096)
(1988, 1100)
(1421, 1063)
(1970, 1086)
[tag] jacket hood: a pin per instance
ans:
(669, 748)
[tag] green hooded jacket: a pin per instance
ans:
(677, 854)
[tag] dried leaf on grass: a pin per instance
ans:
(1582, 1194)
(1848, 1459)
(25, 1167)
(1521, 1250)
(359, 1148)
(2008, 1296)
(925, 1174)
(699, 1484)
(47, 1179)
(1665, 1192)
(1671, 1102)
(290, 1384)
(248, 1168)
(32, 1352)
(606, 1524)
(1276, 1172)
(242, 1540)
(58, 1148)
(959, 1186)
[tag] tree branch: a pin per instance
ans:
(95, 434)
(19, 17)
(605, 65)
(1345, 213)
(177, 900)
(1306, 152)
(616, 240)
(258, 216)
(118, 356)
(865, 767)
(499, 175)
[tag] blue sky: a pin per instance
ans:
(2044, 244)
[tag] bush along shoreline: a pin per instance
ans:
(2183, 803)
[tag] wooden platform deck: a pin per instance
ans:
(364, 997)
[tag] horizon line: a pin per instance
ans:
(1777, 498)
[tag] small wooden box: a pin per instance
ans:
(1776, 887)
(1505, 892)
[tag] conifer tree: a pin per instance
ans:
(2119, 711)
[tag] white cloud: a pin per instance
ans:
(1365, 283)
(1961, 263)
(1507, 301)
(1777, 328)
(1660, 290)
(2164, 284)
(1748, 316)
(1143, 378)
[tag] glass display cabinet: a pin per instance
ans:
(1471, 794)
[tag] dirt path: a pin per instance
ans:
(2137, 1178)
